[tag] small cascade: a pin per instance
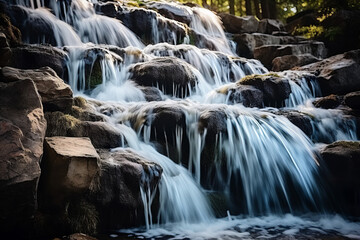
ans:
(181, 199)
(48, 27)
(252, 143)
(215, 67)
(206, 23)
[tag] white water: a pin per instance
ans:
(268, 157)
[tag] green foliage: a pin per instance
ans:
(309, 31)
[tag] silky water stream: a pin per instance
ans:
(256, 177)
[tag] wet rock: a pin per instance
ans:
(55, 94)
(339, 74)
(249, 96)
(151, 93)
(171, 75)
(69, 166)
(267, 53)
(328, 102)
(22, 131)
(37, 56)
(275, 88)
(290, 61)
(101, 134)
(234, 24)
(270, 25)
(353, 100)
(342, 161)
(84, 111)
(299, 119)
(144, 23)
(118, 198)
(176, 12)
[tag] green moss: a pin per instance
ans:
(192, 37)
(95, 77)
(254, 78)
(58, 123)
(80, 102)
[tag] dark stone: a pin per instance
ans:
(171, 75)
(328, 102)
(267, 53)
(118, 199)
(338, 74)
(290, 61)
(270, 25)
(342, 160)
(275, 88)
(22, 132)
(353, 100)
(37, 56)
(234, 24)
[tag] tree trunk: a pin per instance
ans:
(265, 9)
(257, 9)
(272, 9)
(248, 7)
(240, 7)
(232, 7)
(204, 3)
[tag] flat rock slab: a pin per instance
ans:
(69, 167)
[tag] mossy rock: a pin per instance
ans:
(11, 32)
(255, 78)
(353, 145)
(95, 77)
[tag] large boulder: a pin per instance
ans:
(267, 53)
(247, 42)
(144, 22)
(101, 134)
(290, 61)
(275, 88)
(248, 95)
(118, 198)
(353, 100)
(171, 75)
(339, 74)
(22, 131)
(69, 167)
(55, 94)
(176, 12)
(342, 161)
(328, 102)
(270, 25)
(37, 56)
(234, 24)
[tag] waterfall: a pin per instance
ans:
(250, 160)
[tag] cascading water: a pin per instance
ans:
(255, 162)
